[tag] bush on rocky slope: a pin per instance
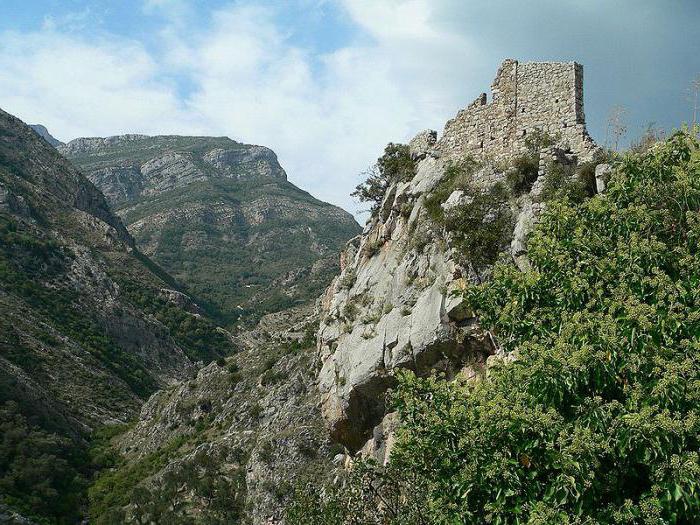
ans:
(595, 419)
(395, 165)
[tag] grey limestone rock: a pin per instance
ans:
(602, 176)
(422, 144)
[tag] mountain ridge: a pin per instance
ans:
(89, 329)
(221, 216)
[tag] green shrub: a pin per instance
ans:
(269, 377)
(348, 279)
(372, 248)
(596, 419)
(479, 228)
(523, 174)
(395, 165)
(256, 411)
(350, 311)
(525, 167)
(457, 176)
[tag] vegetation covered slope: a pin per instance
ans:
(229, 445)
(592, 417)
(221, 217)
(87, 327)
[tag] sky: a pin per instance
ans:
(328, 83)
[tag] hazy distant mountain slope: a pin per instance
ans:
(44, 133)
(88, 326)
(220, 216)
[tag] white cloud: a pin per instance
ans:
(79, 88)
(327, 115)
(239, 71)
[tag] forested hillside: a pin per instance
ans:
(90, 327)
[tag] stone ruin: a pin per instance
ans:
(392, 306)
(526, 97)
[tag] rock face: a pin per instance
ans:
(220, 216)
(44, 134)
(84, 336)
(237, 438)
(393, 305)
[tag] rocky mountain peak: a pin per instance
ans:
(221, 216)
(86, 144)
(126, 167)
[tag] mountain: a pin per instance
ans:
(231, 444)
(221, 217)
(90, 327)
(44, 134)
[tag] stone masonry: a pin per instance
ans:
(545, 96)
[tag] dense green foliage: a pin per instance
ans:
(480, 227)
(395, 165)
(574, 183)
(596, 420)
(41, 473)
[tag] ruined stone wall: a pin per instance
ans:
(526, 97)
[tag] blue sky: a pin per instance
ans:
(326, 83)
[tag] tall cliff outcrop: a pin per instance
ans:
(220, 216)
(393, 304)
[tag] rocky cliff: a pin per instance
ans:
(393, 304)
(220, 216)
(44, 134)
(88, 330)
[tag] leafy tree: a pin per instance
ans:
(595, 419)
(395, 165)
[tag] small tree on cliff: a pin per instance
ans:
(393, 166)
